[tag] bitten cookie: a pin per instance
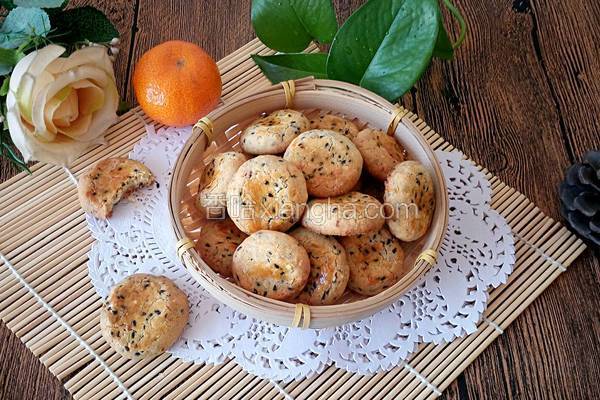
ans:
(349, 214)
(143, 316)
(272, 134)
(108, 181)
(271, 264)
(334, 123)
(329, 270)
(330, 162)
(376, 261)
(410, 193)
(217, 243)
(380, 152)
(212, 191)
(266, 192)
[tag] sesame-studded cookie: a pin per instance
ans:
(376, 261)
(410, 193)
(330, 162)
(380, 152)
(212, 191)
(108, 181)
(143, 316)
(329, 270)
(334, 123)
(272, 134)
(349, 214)
(271, 264)
(217, 243)
(266, 192)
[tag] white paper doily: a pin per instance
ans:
(477, 253)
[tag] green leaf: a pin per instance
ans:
(443, 47)
(21, 24)
(38, 3)
(282, 67)
(8, 59)
(83, 24)
(4, 87)
(318, 18)
(290, 25)
(124, 106)
(8, 4)
(386, 45)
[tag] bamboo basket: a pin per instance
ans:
(220, 131)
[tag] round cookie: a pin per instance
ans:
(217, 243)
(143, 316)
(271, 264)
(330, 162)
(350, 214)
(334, 123)
(329, 270)
(266, 192)
(410, 193)
(376, 261)
(272, 134)
(380, 152)
(212, 198)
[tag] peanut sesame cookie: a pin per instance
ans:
(108, 181)
(272, 134)
(266, 192)
(329, 270)
(410, 192)
(217, 243)
(334, 123)
(271, 264)
(143, 316)
(212, 190)
(349, 214)
(330, 162)
(380, 152)
(376, 261)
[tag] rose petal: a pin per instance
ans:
(62, 151)
(95, 55)
(90, 97)
(67, 111)
(64, 79)
(76, 129)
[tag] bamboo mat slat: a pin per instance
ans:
(44, 235)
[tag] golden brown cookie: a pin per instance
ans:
(266, 192)
(329, 270)
(330, 162)
(217, 243)
(271, 264)
(349, 214)
(143, 316)
(410, 194)
(272, 134)
(334, 123)
(380, 152)
(108, 181)
(376, 261)
(212, 190)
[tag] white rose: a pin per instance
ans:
(58, 107)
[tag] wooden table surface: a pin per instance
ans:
(522, 98)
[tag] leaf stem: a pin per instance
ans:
(461, 22)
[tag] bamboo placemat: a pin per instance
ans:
(44, 236)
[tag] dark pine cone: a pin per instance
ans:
(580, 197)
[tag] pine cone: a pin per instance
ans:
(580, 198)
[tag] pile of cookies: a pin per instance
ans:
(311, 208)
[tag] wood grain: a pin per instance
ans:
(522, 98)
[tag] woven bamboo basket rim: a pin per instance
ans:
(316, 94)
